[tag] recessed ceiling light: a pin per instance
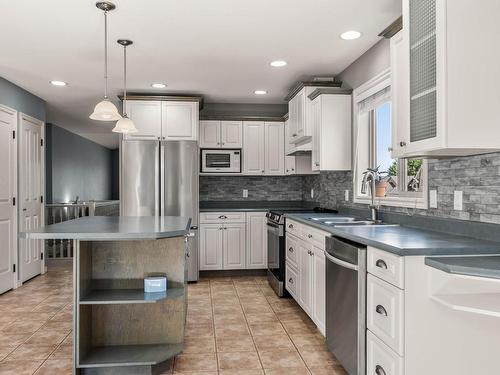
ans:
(58, 83)
(158, 85)
(279, 63)
(260, 92)
(350, 35)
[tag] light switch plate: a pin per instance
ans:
(245, 193)
(346, 195)
(312, 193)
(433, 199)
(457, 200)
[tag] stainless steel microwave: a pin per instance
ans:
(220, 160)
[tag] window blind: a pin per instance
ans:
(375, 100)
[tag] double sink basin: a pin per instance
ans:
(346, 221)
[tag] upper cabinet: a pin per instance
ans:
(221, 134)
(450, 112)
(179, 120)
(330, 111)
(164, 119)
(263, 148)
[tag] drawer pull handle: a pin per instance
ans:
(290, 226)
(290, 249)
(222, 217)
(309, 236)
(381, 264)
(379, 370)
(290, 280)
(381, 310)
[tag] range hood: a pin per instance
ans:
(304, 148)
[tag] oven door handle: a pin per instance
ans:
(341, 263)
(272, 225)
(274, 229)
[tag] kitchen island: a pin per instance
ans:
(117, 328)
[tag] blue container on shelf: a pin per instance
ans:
(155, 284)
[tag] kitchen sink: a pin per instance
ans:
(345, 221)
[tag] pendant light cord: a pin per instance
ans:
(125, 81)
(105, 54)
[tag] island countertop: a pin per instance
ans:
(112, 228)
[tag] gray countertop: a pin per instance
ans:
(113, 228)
(481, 266)
(404, 241)
(215, 206)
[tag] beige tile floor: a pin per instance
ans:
(234, 326)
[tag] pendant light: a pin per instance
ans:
(125, 125)
(105, 110)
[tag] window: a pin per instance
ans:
(402, 181)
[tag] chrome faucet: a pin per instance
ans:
(370, 177)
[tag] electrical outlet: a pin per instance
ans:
(433, 199)
(457, 200)
(312, 193)
(346, 195)
(245, 193)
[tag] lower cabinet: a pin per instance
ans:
(233, 246)
(319, 289)
(305, 277)
(211, 246)
(256, 241)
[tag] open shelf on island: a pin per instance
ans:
(129, 355)
(127, 296)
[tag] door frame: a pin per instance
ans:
(24, 117)
(14, 250)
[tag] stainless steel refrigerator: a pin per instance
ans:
(160, 178)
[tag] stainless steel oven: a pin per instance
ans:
(346, 303)
(276, 254)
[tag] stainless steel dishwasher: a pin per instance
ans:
(346, 303)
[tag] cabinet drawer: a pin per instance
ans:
(380, 359)
(291, 249)
(385, 312)
(222, 217)
(291, 280)
(388, 267)
(293, 227)
(314, 236)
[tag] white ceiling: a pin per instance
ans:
(220, 48)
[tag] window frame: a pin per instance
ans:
(395, 199)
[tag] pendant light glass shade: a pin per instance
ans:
(105, 111)
(125, 126)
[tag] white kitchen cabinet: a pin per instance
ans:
(288, 145)
(331, 131)
(234, 246)
(305, 265)
(289, 165)
(299, 129)
(449, 115)
(319, 289)
(256, 241)
(146, 116)
(231, 134)
(211, 246)
(221, 134)
(274, 146)
(180, 121)
(253, 148)
(210, 134)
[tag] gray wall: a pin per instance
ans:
(77, 167)
(21, 100)
(230, 188)
(478, 176)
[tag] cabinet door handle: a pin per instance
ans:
(222, 217)
(290, 280)
(290, 226)
(381, 310)
(311, 253)
(309, 236)
(220, 228)
(381, 264)
(290, 249)
(379, 370)
(316, 164)
(402, 144)
(294, 135)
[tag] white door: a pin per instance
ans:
(274, 148)
(234, 246)
(147, 118)
(211, 243)
(30, 160)
(180, 121)
(231, 134)
(305, 277)
(210, 134)
(8, 213)
(253, 148)
(256, 240)
(316, 133)
(319, 289)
